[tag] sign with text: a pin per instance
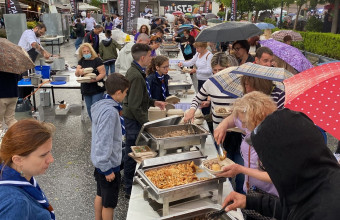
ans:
(73, 4)
(186, 6)
(233, 10)
(131, 14)
(13, 7)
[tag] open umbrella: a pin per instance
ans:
(264, 72)
(210, 15)
(279, 35)
(263, 25)
(289, 54)
(228, 31)
(13, 59)
(178, 13)
(214, 20)
(316, 92)
(229, 82)
(186, 27)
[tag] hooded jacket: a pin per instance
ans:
(106, 145)
(108, 49)
(302, 168)
(124, 60)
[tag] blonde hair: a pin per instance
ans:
(255, 106)
(223, 60)
(93, 53)
(201, 44)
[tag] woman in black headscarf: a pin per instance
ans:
(302, 168)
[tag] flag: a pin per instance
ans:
(13, 7)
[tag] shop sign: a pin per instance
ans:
(184, 6)
(131, 14)
(13, 7)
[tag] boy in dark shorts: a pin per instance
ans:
(106, 147)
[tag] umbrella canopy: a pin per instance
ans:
(289, 54)
(316, 92)
(229, 82)
(210, 15)
(264, 72)
(263, 25)
(214, 20)
(279, 35)
(13, 59)
(228, 31)
(187, 27)
(178, 13)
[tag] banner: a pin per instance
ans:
(120, 4)
(186, 6)
(13, 7)
(233, 10)
(131, 14)
(73, 4)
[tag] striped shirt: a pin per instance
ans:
(279, 97)
(217, 98)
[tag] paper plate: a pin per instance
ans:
(223, 163)
(228, 110)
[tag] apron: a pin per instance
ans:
(33, 54)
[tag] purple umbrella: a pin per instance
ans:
(289, 54)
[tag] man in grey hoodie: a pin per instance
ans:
(124, 60)
(106, 146)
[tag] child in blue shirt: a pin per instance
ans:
(106, 147)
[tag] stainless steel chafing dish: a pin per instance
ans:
(165, 196)
(149, 131)
(199, 213)
(179, 85)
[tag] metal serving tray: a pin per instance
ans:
(199, 213)
(147, 137)
(165, 196)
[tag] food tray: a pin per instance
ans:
(229, 110)
(223, 163)
(140, 151)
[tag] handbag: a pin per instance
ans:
(187, 50)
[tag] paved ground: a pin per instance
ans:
(69, 182)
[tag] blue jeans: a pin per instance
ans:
(132, 129)
(78, 42)
(91, 99)
(111, 67)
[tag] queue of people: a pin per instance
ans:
(136, 77)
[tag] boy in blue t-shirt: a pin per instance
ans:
(106, 147)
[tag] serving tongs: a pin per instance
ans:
(222, 154)
(214, 215)
(190, 128)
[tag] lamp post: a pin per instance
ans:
(281, 14)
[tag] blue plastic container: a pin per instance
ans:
(44, 71)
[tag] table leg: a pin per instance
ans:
(59, 46)
(53, 98)
(166, 206)
(52, 46)
(34, 104)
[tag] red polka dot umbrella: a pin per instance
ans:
(316, 92)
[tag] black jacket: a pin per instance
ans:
(93, 39)
(79, 30)
(302, 168)
(156, 87)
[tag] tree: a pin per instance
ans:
(96, 3)
(299, 3)
(336, 16)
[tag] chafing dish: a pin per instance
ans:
(199, 213)
(179, 85)
(165, 196)
(149, 132)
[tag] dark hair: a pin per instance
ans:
(97, 26)
(41, 26)
(157, 19)
(243, 43)
(23, 138)
(138, 50)
(116, 82)
(108, 32)
(147, 29)
(262, 50)
(257, 84)
(78, 20)
(159, 29)
(253, 40)
(155, 39)
(157, 61)
(287, 38)
(186, 31)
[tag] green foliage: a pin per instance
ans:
(96, 3)
(221, 14)
(3, 33)
(326, 44)
(270, 21)
(31, 24)
(314, 24)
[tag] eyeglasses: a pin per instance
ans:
(237, 48)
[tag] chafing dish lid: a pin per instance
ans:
(173, 120)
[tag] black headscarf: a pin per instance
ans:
(302, 168)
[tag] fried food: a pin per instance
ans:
(173, 134)
(173, 175)
(221, 110)
(215, 167)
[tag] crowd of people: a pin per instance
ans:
(131, 79)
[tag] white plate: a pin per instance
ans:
(223, 163)
(229, 110)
